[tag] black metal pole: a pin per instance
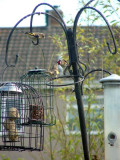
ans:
(73, 56)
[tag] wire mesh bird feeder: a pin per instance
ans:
(38, 79)
(21, 118)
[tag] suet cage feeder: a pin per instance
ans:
(38, 79)
(21, 118)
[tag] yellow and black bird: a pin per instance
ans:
(35, 36)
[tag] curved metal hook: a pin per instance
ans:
(9, 37)
(8, 40)
(63, 23)
(37, 42)
(75, 26)
(16, 59)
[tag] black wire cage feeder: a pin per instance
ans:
(21, 118)
(38, 79)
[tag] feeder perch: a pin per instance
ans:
(38, 79)
(21, 118)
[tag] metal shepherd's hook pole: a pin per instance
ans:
(74, 64)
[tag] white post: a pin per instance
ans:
(111, 86)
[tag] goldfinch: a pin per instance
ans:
(63, 63)
(35, 36)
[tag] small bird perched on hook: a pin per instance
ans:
(35, 36)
